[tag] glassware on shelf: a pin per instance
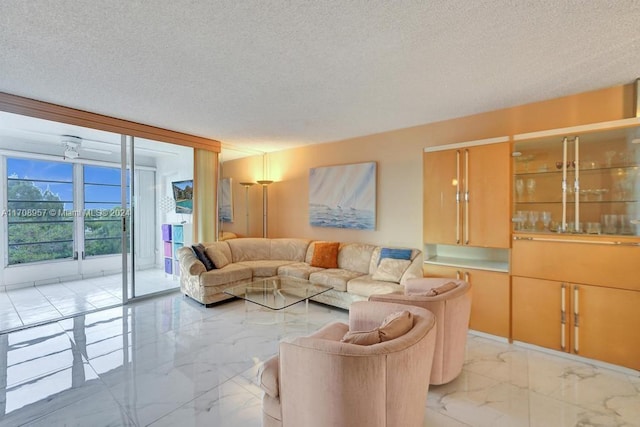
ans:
(545, 217)
(610, 223)
(519, 219)
(532, 221)
(626, 227)
(594, 228)
(610, 155)
(519, 188)
(531, 188)
(593, 178)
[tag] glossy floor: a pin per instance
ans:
(169, 361)
(29, 305)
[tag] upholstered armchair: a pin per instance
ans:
(450, 301)
(320, 381)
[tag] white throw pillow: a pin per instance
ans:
(391, 270)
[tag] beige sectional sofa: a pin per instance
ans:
(357, 276)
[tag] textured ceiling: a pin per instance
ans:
(270, 75)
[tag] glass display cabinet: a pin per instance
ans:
(581, 183)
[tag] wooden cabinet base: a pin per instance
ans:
(490, 297)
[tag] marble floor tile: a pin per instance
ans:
(167, 361)
(52, 301)
(227, 405)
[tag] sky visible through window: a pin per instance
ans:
(101, 189)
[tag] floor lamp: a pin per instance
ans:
(246, 186)
(264, 183)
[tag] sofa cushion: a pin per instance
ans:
(362, 337)
(301, 270)
(249, 249)
(394, 253)
(199, 252)
(213, 251)
(289, 249)
(391, 270)
(396, 325)
(325, 255)
(219, 259)
(439, 290)
(222, 276)
(393, 326)
(365, 286)
(335, 277)
(355, 257)
(267, 268)
(376, 258)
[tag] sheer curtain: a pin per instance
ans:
(205, 190)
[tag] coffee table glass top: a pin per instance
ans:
(277, 293)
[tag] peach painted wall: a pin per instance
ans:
(399, 158)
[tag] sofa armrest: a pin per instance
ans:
(189, 263)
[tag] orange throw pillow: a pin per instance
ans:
(325, 255)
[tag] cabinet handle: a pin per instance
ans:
(576, 183)
(563, 315)
(564, 184)
(466, 197)
(576, 320)
(458, 275)
(457, 197)
(467, 277)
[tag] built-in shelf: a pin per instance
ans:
(489, 259)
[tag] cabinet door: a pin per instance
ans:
(432, 270)
(490, 302)
(570, 260)
(487, 222)
(537, 312)
(441, 212)
(608, 325)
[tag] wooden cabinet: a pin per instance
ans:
(466, 195)
(591, 321)
(490, 297)
(577, 295)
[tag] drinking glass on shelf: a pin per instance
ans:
(545, 217)
(534, 216)
(610, 222)
(531, 187)
(519, 188)
(519, 220)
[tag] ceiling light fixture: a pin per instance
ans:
(71, 144)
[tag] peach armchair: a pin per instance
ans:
(320, 381)
(452, 309)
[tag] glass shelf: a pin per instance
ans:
(571, 171)
(609, 182)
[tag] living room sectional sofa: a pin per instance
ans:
(359, 273)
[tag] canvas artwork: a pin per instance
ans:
(225, 201)
(343, 196)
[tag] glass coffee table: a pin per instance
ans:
(277, 293)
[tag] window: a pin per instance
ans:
(103, 211)
(39, 197)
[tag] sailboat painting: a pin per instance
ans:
(343, 196)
